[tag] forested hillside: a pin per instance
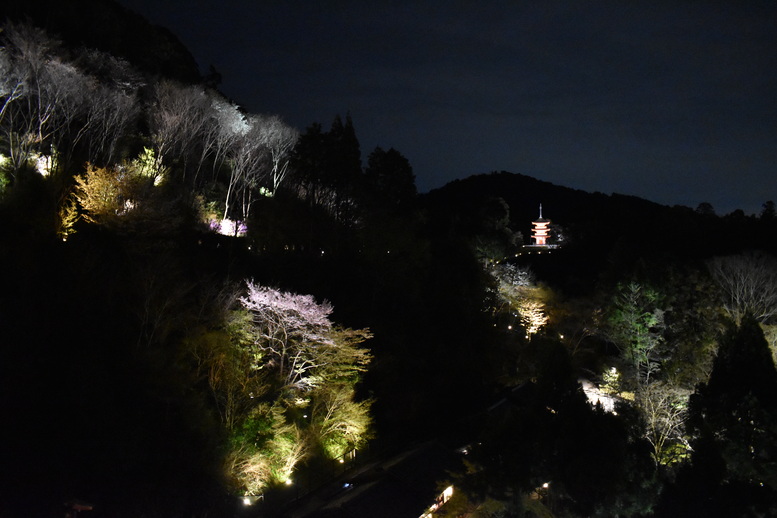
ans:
(202, 304)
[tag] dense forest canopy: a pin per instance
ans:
(201, 303)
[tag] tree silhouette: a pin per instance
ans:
(738, 407)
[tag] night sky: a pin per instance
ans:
(672, 101)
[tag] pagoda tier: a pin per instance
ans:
(540, 230)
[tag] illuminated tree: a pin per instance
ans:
(67, 216)
(635, 323)
(230, 125)
(221, 124)
(101, 109)
(111, 114)
(518, 294)
(124, 194)
(665, 410)
(289, 330)
(295, 339)
(67, 94)
(178, 119)
(265, 450)
(11, 84)
(41, 92)
(339, 422)
(283, 378)
(55, 107)
(513, 276)
(749, 284)
(255, 147)
(105, 194)
(279, 139)
(249, 161)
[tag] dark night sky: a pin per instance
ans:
(674, 101)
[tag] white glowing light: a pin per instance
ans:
(227, 227)
(249, 500)
(596, 396)
(43, 165)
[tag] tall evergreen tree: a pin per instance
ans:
(327, 168)
(390, 179)
(734, 417)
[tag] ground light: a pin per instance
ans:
(444, 497)
(250, 500)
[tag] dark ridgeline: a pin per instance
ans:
(112, 28)
(602, 231)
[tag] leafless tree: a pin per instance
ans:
(69, 94)
(231, 125)
(279, 139)
(248, 160)
(209, 135)
(749, 284)
(180, 116)
(11, 83)
(665, 410)
(36, 84)
(112, 113)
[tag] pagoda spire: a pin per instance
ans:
(540, 210)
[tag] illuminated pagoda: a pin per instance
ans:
(540, 230)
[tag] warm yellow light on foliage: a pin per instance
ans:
(521, 296)
(532, 314)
